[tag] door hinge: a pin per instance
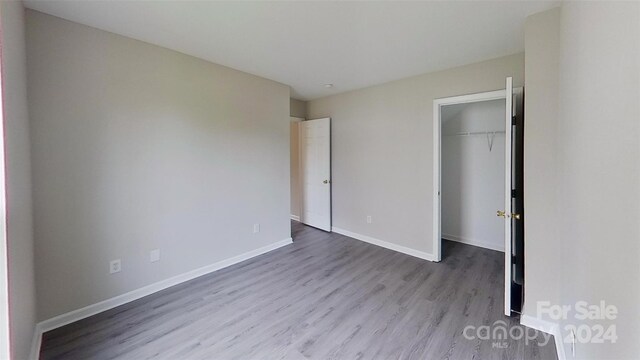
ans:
(513, 193)
(513, 120)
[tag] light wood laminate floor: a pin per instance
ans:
(326, 296)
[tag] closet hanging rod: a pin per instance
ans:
(476, 133)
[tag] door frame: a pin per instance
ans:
(437, 156)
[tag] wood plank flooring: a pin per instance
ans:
(326, 296)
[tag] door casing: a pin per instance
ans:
(437, 156)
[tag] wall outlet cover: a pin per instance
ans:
(115, 266)
(154, 255)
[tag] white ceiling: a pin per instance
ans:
(309, 44)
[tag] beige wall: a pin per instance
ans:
(599, 158)
(296, 194)
(136, 147)
(582, 194)
(22, 298)
(298, 111)
(542, 255)
(382, 148)
(298, 108)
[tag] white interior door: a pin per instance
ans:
(315, 166)
(508, 186)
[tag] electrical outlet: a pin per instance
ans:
(115, 266)
(154, 255)
(573, 343)
(369, 219)
(256, 228)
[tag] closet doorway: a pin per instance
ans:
(472, 172)
(478, 143)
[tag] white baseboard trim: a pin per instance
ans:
(473, 242)
(36, 342)
(546, 327)
(295, 217)
(113, 302)
(384, 244)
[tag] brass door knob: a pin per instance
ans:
(501, 213)
(515, 216)
(325, 182)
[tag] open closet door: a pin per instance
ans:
(315, 166)
(513, 213)
(506, 213)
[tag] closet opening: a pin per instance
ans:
(472, 175)
(478, 205)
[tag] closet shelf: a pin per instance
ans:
(476, 133)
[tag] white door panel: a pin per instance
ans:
(315, 162)
(508, 143)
